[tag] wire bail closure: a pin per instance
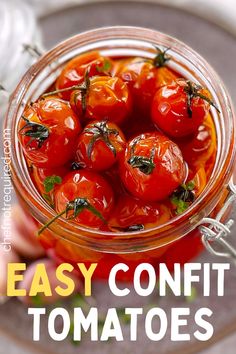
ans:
(216, 232)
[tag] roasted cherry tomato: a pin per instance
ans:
(152, 167)
(102, 97)
(48, 131)
(145, 77)
(73, 73)
(180, 108)
(132, 214)
(84, 197)
(100, 145)
(46, 180)
(198, 148)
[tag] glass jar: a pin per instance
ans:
(178, 239)
(19, 30)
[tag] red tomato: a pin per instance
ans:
(87, 191)
(48, 132)
(74, 71)
(39, 176)
(152, 167)
(131, 214)
(113, 177)
(144, 79)
(197, 149)
(100, 145)
(103, 98)
(178, 110)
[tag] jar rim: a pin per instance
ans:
(195, 213)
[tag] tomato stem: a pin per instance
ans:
(145, 164)
(161, 58)
(74, 87)
(77, 206)
(83, 88)
(45, 226)
(35, 131)
(192, 90)
(101, 131)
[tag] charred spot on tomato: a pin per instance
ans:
(131, 228)
(76, 166)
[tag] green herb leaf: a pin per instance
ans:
(181, 206)
(50, 181)
(183, 197)
(190, 185)
(105, 68)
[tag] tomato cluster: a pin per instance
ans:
(119, 144)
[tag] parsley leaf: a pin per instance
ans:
(183, 197)
(50, 182)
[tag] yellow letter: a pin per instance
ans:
(65, 280)
(87, 273)
(12, 278)
(40, 282)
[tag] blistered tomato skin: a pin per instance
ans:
(152, 167)
(48, 132)
(144, 79)
(106, 98)
(199, 147)
(40, 174)
(74, 71)
(90, 186)
(171, 113)
(100, 145)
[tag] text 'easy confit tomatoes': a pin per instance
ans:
(100, 145)
(152, 167)
(180, 108)
(48, 131)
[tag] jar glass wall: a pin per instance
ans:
(83, 244)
